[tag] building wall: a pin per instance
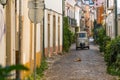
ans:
(56, 5)
(10, 32)
(110, 25)
(100, 11)
(110, 18)
(70, 8)
(87, 19)
(49, 48)
(2, 37)
(27, 53)
(9, 38)
(87, 13)
(13, 31)
(53, 27)
(118, 28)
(77, 15)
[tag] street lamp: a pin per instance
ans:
(3, 2)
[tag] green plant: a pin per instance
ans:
(5, 72)
(112, 56)
(113, 70)
(42, 68)
(39, 71)
(102, 39)
(68, 36)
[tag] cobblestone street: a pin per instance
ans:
(78, 65)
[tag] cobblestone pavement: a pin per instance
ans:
(78, 65)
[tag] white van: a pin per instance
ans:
(82, 40)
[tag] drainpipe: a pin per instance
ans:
(35, 27)
(43, 32)
(20, 37)
(62, 24)
(105, 15)
(74, 23)
(16, 36)
(115, 8)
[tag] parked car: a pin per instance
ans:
(82, 40)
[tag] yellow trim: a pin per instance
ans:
(31, 32)
(31, 63)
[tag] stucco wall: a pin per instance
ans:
(70, 8)
(13, 32)
(28, 40)
(52, 13)
(54, 9)
(77, 15)
(110, 25)
(2, 37)
(118, 27)
(28, 37)
(26, 32)
(56, 5)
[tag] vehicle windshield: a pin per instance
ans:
(82, 35)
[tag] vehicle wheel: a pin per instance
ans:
(82, 47)
(88, 47)
(76, 48)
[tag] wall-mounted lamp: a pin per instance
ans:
(3, 2)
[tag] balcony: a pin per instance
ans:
(72, 22)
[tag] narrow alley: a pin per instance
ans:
(37, 36)
(79, 65)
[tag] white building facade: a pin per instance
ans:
(52, 35)
(110, 18)
(53, 27)
(2, 37)
(70, 12)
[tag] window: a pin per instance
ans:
(82, 35)
(110, 4)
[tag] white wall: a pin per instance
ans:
(54, 8)
(26, 32)
(46, 29)
(38, 35)
(2, 37)
(51, 28)
(61, 30)
(71, 2)
(77, 15)
(26, 43)
(3, 50)
(110, 25)
(70, 12)
(13, 32)
(55, 5)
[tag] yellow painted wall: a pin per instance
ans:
(31, 63)
(28, 41)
